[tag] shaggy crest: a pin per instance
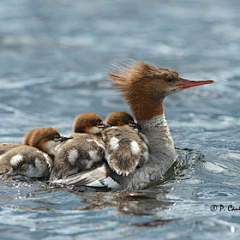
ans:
(139, 88)
(125, 75)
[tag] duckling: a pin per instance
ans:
(125, 149)
(84, 150)
(31, 159)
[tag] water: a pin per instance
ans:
(54, 57)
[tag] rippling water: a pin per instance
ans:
(54, 57)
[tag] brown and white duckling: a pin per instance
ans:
(125, 148)
(84, 150)
(31, 159)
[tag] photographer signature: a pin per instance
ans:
(221, 207)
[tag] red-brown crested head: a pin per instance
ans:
(88, 123)
(144, 87)
(121, 119)
(44, 139)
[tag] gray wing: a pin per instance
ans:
(99, 177)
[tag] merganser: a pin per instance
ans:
(32, 158)
(125, 149)
(84, 150)
(144, 88)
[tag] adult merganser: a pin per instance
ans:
(144, 88)
(125, 149)
(84, 150)
(31, 159)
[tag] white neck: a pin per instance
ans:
(154, 122)
(160, 139)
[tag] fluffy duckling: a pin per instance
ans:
(31, 159)
(84, 150)
(125, 149)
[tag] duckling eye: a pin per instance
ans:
(56, 138)
(169, 79)
(99, 124)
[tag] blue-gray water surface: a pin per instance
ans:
(54, 56)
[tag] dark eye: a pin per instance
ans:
(56, 138)
(99, 125)
(169, 79)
